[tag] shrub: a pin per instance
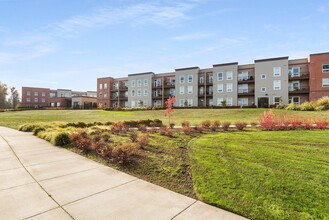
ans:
(324, 102)
(307, 106)
(36, 130)
(185, 123)
(27, 127)
(321, 124)
(240, 125)
(119, 127)
(142, 128)
(226, 126)
(80, 140)
(199, 128)
(215, 125)
(133, 136)
(266, 120)
(166, 131)
(61, 139)
(143, 140)
(292, 106)
(172, 125)
(307, 125)
(187, 130)
(123, 152)
(206, 123)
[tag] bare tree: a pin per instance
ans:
(3, 95)
(14, 98)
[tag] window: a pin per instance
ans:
(229, 75)
(43, 100)
(277, 84)
(229, 101)
(243, 102)
(133, 104)
(220, 87)
(139, 83)
(294, 71)
(325, 82)
(263, 89)
(126, 93)
(276, 71)
(43, 94)
(28, 99)
(276, 100)
(28, 93)
(243, 76)
(35, 99)
(220, 76)
(101, 86)
(294, 85)
(105, 85)
(105, 94)
(295, 100)
(190, 102)
(133, 92)
(181, 90)
(181, 102)
(100, 95)
(263, 76)
(189, 89)
(243, 88)
(229, 87)
(36, 93)
(172, 91)
(219, 101)
(190, 78)
(325, 68)
(139, 92)
(132, 83)
(201, 80)
(146, 82)
(145, 92)
(211, 102)
(181, 79)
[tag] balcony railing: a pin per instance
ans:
(297, 90)
(249, 79)
(246, 92)
(298, 76)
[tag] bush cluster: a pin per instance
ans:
(318, 105)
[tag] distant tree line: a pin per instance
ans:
(9, 97)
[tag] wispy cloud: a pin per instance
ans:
(323, 8)
(192, 36)
(4, 30)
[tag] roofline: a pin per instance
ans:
(108, 77)
(272, 59)
(225, 64)
(319, 53)
(28, 87)
(187, 68)
(136, 74)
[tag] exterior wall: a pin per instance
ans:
(64, 93)
(316, 75)
(39, 97)
(136, 99)
(61, 102)
(186, 72)
(205, 88)
(267, 67)
(83, 102)
(224, 69)
(103, 92)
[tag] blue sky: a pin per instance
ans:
(70, 43)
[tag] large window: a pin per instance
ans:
(43, 100)
(101, 86)
(325, 82)
(229, 101)
(294, 71)
(28, 99)
(243, 101)
(133, 93)
(219, 101)
(277, 84)
(105, 85)
(146, 82)
(181, 102)
(220, 76)
(139, 83)
(276, 100)
(36, 93)
(295, 100)
(220, 87)
(35, 99)
(132, 83)
(133, 104)
(190, 78)
(145, 92)
(181, 79)
(229, 75)
(28, 93)
(139, 92)
(181, 90)
(43, 94)
(189, 89)
(325, 68)
(243, 76)
(229, 87)
(276, 71)
(190, 102)
(243, 88)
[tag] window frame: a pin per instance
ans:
(229, 75)
(325, 70)
(222, 77)
(182, 90)
(218, 87)
(263, 76)
(261, 89)
(274, 86)
(227, 87)
(325, 84)
(188, 78)
(190, 90)
(181, 79)
(277, 73)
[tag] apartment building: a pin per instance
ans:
(44, 97)
(265, 83)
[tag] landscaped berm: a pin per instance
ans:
(272, 164)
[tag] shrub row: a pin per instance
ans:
(318, 105)
(176, 107)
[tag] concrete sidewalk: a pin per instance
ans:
(40, 181)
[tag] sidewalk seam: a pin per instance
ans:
(184, 210)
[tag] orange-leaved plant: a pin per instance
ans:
(169, 103)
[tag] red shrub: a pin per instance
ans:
(123, 152)
(143, 140)
(240, 125)
(206, 123)
(166, 132)
(267, 120)
(321, 124)
(119, 127)
(199, 128)
(187, 130)
(226, 126)
(142, 128)
(307, 125)
(185, 124)
(215, 125)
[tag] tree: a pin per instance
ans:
(14, 98)
(169, 110)
(3, 95)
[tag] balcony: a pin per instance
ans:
(249, 79)
(124, 98)
(115, 88)
(169, 84)
(123, 88)
(298, 90)
(114, 98)
(246, 92)
(301, 76)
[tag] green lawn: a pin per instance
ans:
(264, 175)
(195, 116)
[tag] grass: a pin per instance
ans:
(195, 116)
(264, 175)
